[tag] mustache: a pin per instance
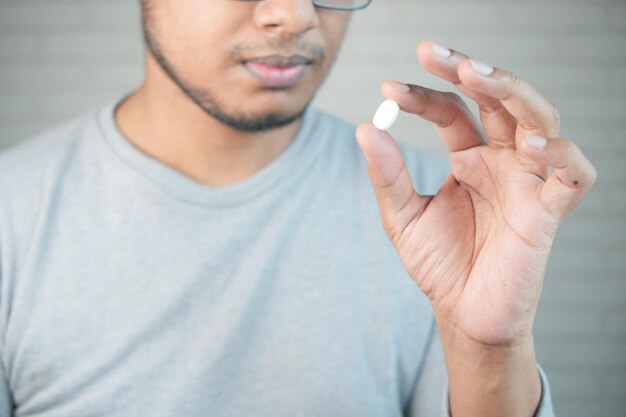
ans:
(244, 51)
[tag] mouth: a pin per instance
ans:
(278, 71)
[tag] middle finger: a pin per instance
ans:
(499, 125)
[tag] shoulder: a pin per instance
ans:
(33, 158)
(33, 171)
(54, 140)
(428, 170)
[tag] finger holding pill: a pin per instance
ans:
(454, 122)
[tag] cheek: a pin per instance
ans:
(195, 34)
(333, 26)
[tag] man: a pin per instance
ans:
(210, 245)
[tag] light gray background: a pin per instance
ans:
(61, 58)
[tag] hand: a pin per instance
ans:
(479, 248)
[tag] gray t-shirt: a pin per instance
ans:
(129, 290)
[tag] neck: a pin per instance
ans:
(172, 129)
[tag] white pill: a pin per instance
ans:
(386, 114)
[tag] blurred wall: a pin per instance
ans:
(61, 58)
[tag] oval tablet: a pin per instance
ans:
(386, 114)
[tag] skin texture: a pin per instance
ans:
(479, 248)
(199, 110)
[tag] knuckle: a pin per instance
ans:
(490, 107)
(571, 150)
(568, 144)
(594, 176)
(391, 230)
(456, 100)
(587, 174)
(516, 81)
(591, 173)
(555, 114)
(426, 93)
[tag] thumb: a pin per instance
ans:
(397, 199)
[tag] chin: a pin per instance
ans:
(276, 103)
(255, 122)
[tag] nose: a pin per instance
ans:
(286, 18)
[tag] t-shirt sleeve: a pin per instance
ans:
(544, 409)
(6, 404)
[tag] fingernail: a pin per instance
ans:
(440, 50)
(400, 87)
(481, 68)
(536, 141)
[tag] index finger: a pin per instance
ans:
(454, 122)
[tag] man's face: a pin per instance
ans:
(211, 49)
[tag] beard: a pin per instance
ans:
(210, 105)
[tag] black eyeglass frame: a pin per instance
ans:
(322, 6)
(367, 3)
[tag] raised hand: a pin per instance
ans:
(479, 248)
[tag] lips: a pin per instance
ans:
(277, 71)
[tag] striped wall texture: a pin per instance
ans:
(59, 58)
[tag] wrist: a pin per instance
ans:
(507, 328)
(487, 339)
(491, 379)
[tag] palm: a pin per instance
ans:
(496, 239)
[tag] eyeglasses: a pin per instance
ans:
(342, 4)
(337, 4)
